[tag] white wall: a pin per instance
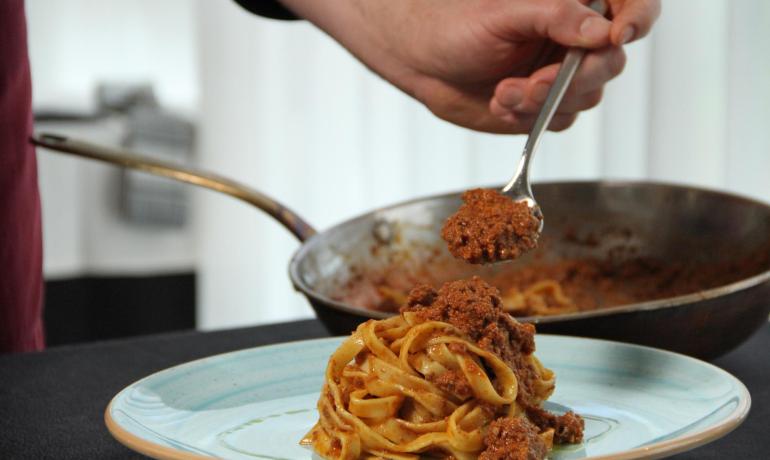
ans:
(75, 45)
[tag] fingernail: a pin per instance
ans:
(540, 92)
(627, 35)
(511, 97)
(595, 28)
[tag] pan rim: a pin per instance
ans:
(670, 302)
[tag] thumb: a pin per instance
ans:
(567, 22)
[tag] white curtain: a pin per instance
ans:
(285, 109)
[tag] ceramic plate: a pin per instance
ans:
(637, 402)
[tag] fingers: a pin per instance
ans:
(567, 22)
(475, 111)
(581, 102)
(524, 121)
(572, 23)
(632, 19)
(560, 121)
(522, 124)
(472, 110)
(526, 95)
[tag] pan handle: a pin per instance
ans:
(288, 218)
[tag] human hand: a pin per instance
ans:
(486, 64)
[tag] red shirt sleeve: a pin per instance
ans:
(21, 280)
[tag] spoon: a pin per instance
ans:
(519, 188)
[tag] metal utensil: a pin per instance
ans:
(519, 188)
(127, 159)
(669, 222)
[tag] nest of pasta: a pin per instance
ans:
(453, 376)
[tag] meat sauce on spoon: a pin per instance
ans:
(490, 227)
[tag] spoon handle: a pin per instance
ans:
(285, 216)
(567, 70)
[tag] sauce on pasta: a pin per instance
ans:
(452, 376)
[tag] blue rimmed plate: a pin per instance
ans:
(638, 402)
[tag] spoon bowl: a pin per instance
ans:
(519, 188)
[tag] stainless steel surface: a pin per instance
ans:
(518, 188)
(670, 222)
(288, 218)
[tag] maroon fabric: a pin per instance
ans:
(21, 281)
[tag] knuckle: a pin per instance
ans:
(496, 109)
(657, 9)
(593, 99)
(645, 13)
(562, 122)
(560, 10)
(617, 62)
(558, 14)
(652, 8)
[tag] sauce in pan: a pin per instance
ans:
(551, 287)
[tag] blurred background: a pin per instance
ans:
(280, 106)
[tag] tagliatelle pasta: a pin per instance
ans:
(543, 298)
(411, 386)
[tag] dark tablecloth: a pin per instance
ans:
(52, 403)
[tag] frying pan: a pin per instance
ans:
(334, 269)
